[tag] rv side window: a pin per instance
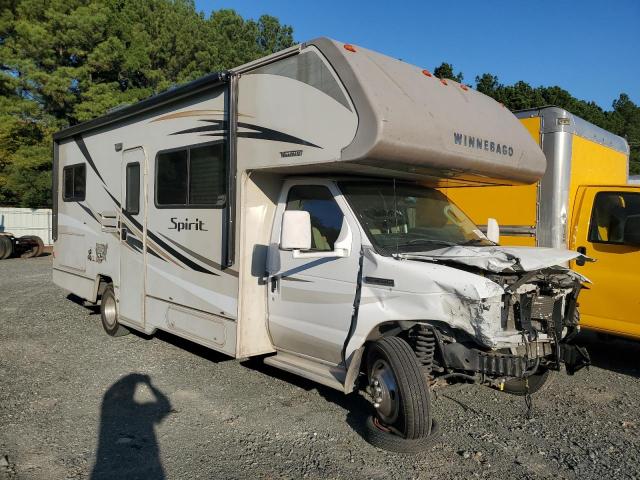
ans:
(192, 177)
(326, 216)
(132, 205)
(74, 183)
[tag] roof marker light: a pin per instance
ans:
(443, 81)
(349, 47)
(427, 73)
(464, 87)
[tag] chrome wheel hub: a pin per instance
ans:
(384, 390)
(110, 314)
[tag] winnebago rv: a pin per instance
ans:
(583, 202)
(287, 208)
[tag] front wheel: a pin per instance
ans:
(109, 314)
(399, 389)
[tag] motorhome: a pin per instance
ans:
(585, 201)
(287, 209)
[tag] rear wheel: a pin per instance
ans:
(36, 246)
(109, 313)
(401, 394)
(6, 247)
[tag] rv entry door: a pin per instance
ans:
(132, 237)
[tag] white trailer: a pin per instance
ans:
(287, 208)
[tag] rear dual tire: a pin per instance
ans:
(6, 247)
(109, 314)
(37, 246)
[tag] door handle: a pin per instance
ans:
(123, 233)
(580, 261)
(275, 281)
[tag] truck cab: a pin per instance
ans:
(606, 227)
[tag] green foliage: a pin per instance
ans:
(623, 119)
(67, 61)
(445, 70)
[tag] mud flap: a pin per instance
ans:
(574, 357)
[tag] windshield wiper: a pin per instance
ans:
(418, 241)
(475, 241)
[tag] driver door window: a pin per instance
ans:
(326, 216)
(615, 218)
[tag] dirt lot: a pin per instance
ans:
(76, 403)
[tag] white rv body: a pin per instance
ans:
(213, 271)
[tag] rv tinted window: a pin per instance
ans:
(74, 183)
(171, 185)
(326, 216)
(309, 68)
(207, 175)
(133, 189)
(192, 177)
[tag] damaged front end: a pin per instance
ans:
(526, 330)
(538, 320)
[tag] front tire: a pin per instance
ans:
(399, 389)
(109, 314)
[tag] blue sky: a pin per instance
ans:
(591, 48)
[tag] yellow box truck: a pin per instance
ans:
(583, 202)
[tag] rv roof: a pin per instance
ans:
(408, 122)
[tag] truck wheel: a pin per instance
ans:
(399, 389)
(6, 247)
(36, 246)
(109, 314)
(538, 382)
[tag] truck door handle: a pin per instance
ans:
(274, 283)
(580, 261)
(123, 233)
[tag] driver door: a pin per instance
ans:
(607, 229)
(311, 299)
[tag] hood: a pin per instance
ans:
(499, 259)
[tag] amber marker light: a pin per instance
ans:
(464, 87)
(349, 47)
(427, 73)
(443, 81)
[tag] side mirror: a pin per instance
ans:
(296, 230)
(493, 230)
(632, 230)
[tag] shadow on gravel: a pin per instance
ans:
(127, 446)
(612, 353)
(357, 408)
(94, 309)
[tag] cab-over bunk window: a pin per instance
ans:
(191, 177)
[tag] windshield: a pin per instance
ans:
(410, 218)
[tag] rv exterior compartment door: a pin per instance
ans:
(311, 299)
(132, 238)
(607, 229)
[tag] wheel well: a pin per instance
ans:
(393, 328)
(103, 282)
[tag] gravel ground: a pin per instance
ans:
(76, 403)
